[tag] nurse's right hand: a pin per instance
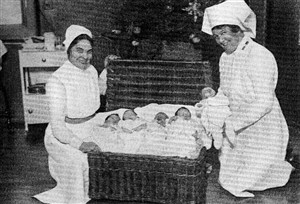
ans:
(87, 147)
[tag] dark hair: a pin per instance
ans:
(181, 108)
(161, 115)
(77, 39)
(116, 114)
(233, 28)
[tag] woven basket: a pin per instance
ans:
(147, 178)
(135, 83)
(180, 51)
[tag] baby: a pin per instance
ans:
(154, 140)
(131, 122)
(181, 113)
(212, 111)
(111, 121)
(161, 119)
(158, 124)
(185, 133)
(206, 93)
(108, 135)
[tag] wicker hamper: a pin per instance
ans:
(147, 178)
(136, 83)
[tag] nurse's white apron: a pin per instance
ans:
(68, 166)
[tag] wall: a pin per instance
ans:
(97, 15)
(259, 7)
(278, 29)
(283, 36)
(10, 76)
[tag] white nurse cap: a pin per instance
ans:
(230, 12)
(74, 31)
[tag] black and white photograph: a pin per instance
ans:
(157, 101)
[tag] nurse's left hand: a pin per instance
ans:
(109, 58)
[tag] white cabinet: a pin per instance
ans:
(35, 68)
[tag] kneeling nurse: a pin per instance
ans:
(74, 97)
(255, 159)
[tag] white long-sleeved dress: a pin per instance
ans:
(74, 93)
(257, 162)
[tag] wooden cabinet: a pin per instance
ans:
(35, 69)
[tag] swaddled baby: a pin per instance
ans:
(155, 136)
(111, 122)
(182, 123)
(158, 124)
(185, 133)
(108, 135)
(212, 111)
(131, 122)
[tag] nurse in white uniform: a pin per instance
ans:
(74, 97)
(256, 126)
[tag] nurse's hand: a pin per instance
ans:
(109, 58)
(87, 147)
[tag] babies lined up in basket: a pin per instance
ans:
(180, 136)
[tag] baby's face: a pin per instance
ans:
(129, 115)
(113, 120)
(185, 114)
(161, 119)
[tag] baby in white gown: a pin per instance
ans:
(108, 135)
(155, 136)
(131, 122)
(185, 134)
(212, 111)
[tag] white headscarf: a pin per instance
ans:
(231, 12)
(74, 31)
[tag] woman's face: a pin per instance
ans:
(81, 54)
(227, 39)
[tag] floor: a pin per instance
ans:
(24, 172)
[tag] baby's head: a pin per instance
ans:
(207, 92)
(161, 118)
(129, 115)
(183, 113)
(112, 119)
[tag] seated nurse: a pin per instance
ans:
(74, 97)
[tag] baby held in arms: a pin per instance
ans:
(212, 111)
(131, 122)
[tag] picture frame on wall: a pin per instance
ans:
(17, 19)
